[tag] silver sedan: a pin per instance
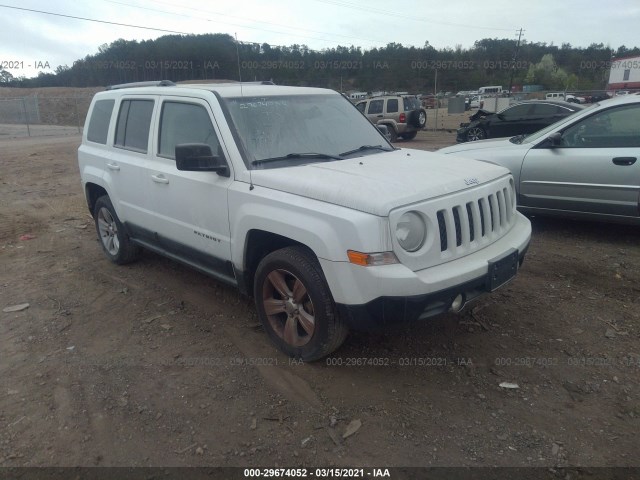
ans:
(585, 166)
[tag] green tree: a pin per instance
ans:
(5, 76)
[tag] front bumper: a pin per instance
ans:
(374, 296)
(461, 133)
(385, 311)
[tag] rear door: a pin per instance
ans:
(543, 115)
(127, 160)
(596, 169)
(511, 121)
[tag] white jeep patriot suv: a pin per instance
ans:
(293, 196)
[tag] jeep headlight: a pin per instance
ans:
(411, 231)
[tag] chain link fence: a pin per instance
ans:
(43, 115)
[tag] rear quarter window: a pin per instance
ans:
(99, 121)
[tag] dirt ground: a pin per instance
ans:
(154, 364)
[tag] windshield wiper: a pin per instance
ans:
(366, 147)
(306, 155)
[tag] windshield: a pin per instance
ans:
(545, 131)
(278, 131)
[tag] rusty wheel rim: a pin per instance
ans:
(288, 307)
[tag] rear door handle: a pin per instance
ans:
(113, 166)
(624, 160)
(160, 178)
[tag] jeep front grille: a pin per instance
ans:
(485, 218)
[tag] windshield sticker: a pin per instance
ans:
(263, 102)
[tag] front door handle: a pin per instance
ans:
(624, 160)
(160, 178)
(113, 166)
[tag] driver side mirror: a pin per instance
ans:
(197, 157)
(555, 139)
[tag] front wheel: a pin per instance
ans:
(475, 133)
(114, 240)
(393, 135)
(295, 305)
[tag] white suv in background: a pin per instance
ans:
(292, 196)
(567, 97)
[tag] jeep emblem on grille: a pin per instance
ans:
(471, 181)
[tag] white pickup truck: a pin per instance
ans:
(293, 196)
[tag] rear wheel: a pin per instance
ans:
(409, 136)
(475, 133)
(295, 305)
(114, 240)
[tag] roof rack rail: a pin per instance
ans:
(158, 83)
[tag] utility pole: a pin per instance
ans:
(515, 58)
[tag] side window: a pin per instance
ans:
(613, 128)
(392, 105)
(518, 111)
(99, 122)
(375, 106)
(546, 110)
(134, 120)
(361, 106)
(185, 123)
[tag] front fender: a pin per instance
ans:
(328, 230)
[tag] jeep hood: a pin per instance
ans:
(378, 183)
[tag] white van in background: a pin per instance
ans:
(494, 89)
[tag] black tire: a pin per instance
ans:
(112, 235)
(302, 319)
(418, 118)
(393, 135)
(475, 133)
(409, 136)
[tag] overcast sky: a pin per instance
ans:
(31, 42)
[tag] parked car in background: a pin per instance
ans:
(403, 115)
(429, 101)
(521, 118)
(597, 97)
(569, 97)
(585, 166)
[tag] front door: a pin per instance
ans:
(190, 208)
(595, 169)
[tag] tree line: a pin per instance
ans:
(394, 67)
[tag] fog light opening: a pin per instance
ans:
(458, 303)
